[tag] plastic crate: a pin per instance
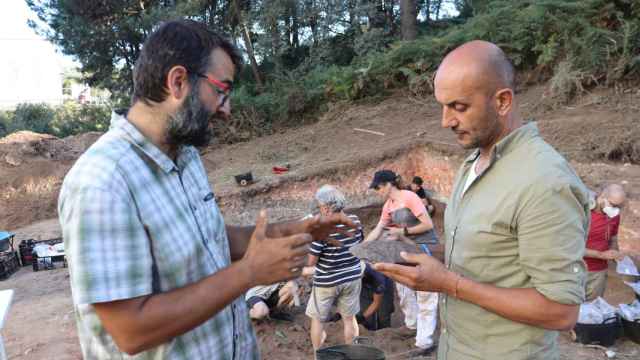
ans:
(631, 330)
(604, 334)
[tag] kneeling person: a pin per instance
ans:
(270, 300)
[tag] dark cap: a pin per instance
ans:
(382, 177)
(417, 180)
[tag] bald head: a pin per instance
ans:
(615, 194)
(481, 64)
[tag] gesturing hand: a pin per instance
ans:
(429, 274)
(321, 226)
(272, 260)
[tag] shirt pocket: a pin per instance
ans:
(213, 223)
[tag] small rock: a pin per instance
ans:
(12, 160)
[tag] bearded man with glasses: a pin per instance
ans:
(155, 272)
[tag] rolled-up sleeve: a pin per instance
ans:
(552, 227)
(107, 247)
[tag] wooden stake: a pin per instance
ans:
(369, 131)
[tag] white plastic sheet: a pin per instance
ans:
(596, 312)
(630, 312)
(59, 247)
(635, 286)
(627, 267)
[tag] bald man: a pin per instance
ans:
(515, 225)
(602, 242)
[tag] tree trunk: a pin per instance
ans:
(353, 17)
(254, 64)
(295, 25)
(438, 6)
(275, 43)
(246, 35)
(310, 18)
(408, 18)
(389, 16)
(427, 10)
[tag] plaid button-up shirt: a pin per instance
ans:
(136, 223)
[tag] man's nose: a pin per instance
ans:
(225, 109)
(448, 118)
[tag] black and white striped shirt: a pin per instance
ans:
(336, 265)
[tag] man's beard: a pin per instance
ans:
(190, 124)
(487, 134)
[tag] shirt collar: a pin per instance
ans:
(185, 154)
(509, 142)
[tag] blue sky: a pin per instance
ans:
(30, 66)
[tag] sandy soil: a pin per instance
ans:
(32, 166)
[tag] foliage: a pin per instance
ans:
(33, 117)
(61, 121)
(310, 52)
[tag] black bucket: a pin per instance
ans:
(244, 179)
(350, 352)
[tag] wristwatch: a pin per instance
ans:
(406, 231)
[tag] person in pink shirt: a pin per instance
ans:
(404, 216)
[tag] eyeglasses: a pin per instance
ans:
(221, 88)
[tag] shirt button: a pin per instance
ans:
(444, 330)
(453, 233)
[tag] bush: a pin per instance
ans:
(32, 117)
(5, 119)
(566, 83)
(72, 118)
(61, 121)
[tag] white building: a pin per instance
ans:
(30, 72)
(30, 68)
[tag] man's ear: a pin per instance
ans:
(178, 82)
(504, 101)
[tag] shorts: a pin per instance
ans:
(345, 296)
(267, 294)
(596, 284)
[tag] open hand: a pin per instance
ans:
(394, 231)
(429, 274)
(272, 260)
(612, 255)
(388, 236)
(320, 227)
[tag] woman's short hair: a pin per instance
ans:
(329, 196)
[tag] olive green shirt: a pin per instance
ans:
(521, 224)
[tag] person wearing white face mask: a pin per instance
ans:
(602, 242)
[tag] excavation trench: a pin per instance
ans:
(294, 199)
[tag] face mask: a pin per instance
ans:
(611, 211)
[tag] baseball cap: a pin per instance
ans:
(381, 177)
